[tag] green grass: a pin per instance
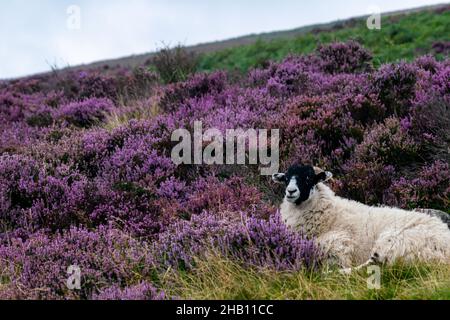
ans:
(217, 279)
(400, 37)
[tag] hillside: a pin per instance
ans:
(252, 50)
(88, 180)
(399, 38)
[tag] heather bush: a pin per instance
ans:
(174, 64)
(442, 47)
(320, 127)
(36, 268)
(128, 184)
(86, 113)
(228, 197)
(196, 86)
(254, 242)
(349, 57)
(41, 118)
(430, 125)
(395, 87)
(16, 137)
(94, 85)
(17, 107)
(284, 79)
(82, 85)
(33, 198)
(390, 143)
(84, 154)
(365, 181)
(430, 189)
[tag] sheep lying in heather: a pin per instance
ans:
(351, 233)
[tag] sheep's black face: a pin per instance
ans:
(300, 182)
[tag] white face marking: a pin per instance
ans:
(292, 191)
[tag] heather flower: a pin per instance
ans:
(86, 113)
(90, 84)
(427, 63)
(141, 291)
(196, 86)
(441, 47)
(252, 241)
(348, 57)
(228, 197)
(389, 142)
(69, 183)
(15, 137)
(365, 181)
(430, 189)
(37, 267)
(31, 198)
(430, 125)
(395, 86)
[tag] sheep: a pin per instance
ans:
(351, 233)
(445, 217)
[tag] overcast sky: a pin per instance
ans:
(35, 35)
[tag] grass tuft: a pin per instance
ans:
(218, 278)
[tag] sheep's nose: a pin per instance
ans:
(291, 191)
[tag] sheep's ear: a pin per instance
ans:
(324, 176)
(278, 177)
(317, 170)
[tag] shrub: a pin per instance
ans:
(287, 78)
(174, 64)
(70, 178)
(395, 87)
(390, 143)
(86, 113)
(36, 268)
(365, 181)
(228, 197)
(41, 118)
(197, 86)
(430, 189)
(348, 57)
(252, 241)
(31, 198)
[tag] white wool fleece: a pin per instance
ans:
(351, 232)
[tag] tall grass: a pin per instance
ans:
(217, 278)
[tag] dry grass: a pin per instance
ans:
(217, 278)
(137, 109)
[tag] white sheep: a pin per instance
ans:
(352, 233)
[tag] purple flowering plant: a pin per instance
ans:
(78, 189)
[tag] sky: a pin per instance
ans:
(38, 35)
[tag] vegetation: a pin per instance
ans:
(400, 37)
(222, 279)
(87, 179)
(174, 64)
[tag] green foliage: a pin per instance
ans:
(400, 37)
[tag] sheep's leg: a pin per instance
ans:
(396, 244)
(373, 260)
